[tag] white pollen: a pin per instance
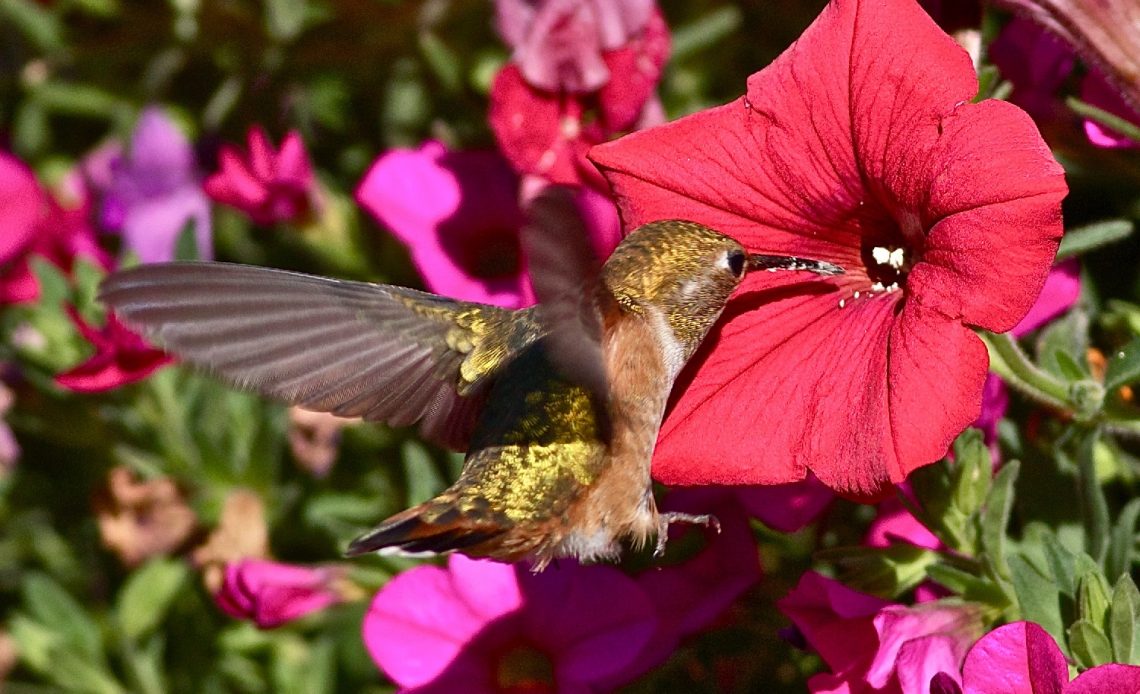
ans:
(842, 302)
(881, 255)
(877, 287)
(856, 296)
(896, 258)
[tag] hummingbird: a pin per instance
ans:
(557, 406)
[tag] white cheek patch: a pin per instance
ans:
(672, 352)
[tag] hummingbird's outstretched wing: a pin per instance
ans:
(379, 352)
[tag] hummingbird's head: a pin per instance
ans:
(680, 271)
(684, 272)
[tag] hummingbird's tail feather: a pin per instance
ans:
(428, 529)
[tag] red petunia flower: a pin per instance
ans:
(858, 145)
(121, 357)
(269, 186)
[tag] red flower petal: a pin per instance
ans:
(845, 150)
(634, 70)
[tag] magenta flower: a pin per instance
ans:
(1037, 61)
(894, 523)
(786, 507)
(270, 594)
(559, 43)
(121, 357)
(481, 627)
(691, 595)
(269, 186)
(155, 191)
(37, 225)
(582, 72)
(873, 646)
(22, 205)
(458, 214)
(1021, 658)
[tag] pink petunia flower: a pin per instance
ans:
(121, 357)
(945, 213)
(458, 213)
(269, 186)
(483, 627)
(786, 507)
(270, 593)
(1037, 58)
(583, 71)
(1022, 658)
(38, 225)
(873, 646)
(692, 594)
(155, 191)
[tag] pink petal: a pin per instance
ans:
(587, 644)
(490, 588)
(895, 523)
(835, 620)
(787, 507)
(1018, 658)
(293, 165)
(635, 70)
(919, 642)
(1062, 289)
(261, 154)
(22, 203)
(234, 184)
(1112, 677)
(418, 625)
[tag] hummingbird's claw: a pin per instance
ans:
(666, 519)
(772, 263)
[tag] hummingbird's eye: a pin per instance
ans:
(736, 262)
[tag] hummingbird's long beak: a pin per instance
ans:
(758, 261)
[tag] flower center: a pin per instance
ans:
(525, 670)
(887, 266)
(491, 255)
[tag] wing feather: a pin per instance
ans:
(354, 349)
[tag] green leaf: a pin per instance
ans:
(1069, 367)
(967, 585)
(1124, 622)
(994, 518)
(1092, 236)
(443, 61)
(54, 607)
(1124, 368)
(1062, 563)
(54, 287)
(147, 595)
(1118, 560)
(424, 480)
(1093, 597)
(887, 572)
(1037, 596)
(186, 245)
(37, 23)
(1089, 644)
(707, 31)
(1108, 120)
(1094, 506)
(285, 19)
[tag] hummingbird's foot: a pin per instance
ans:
(666, 519)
